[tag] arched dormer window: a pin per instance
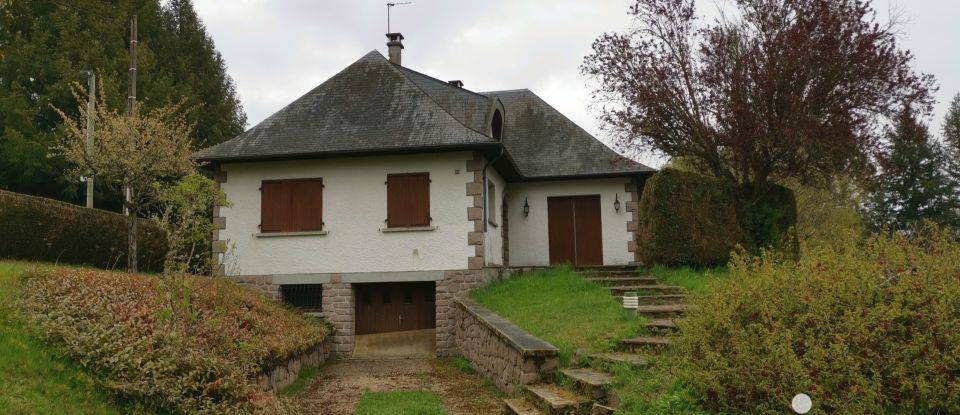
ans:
(496, 125)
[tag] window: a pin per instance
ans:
(491, 203)
(291, 205)
(408, 200)
(496, 125)
(307, 297)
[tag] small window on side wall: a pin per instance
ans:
(491, 203)
(307, 297)
(408, 200)
(291, 205)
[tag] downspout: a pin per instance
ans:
(485, 198)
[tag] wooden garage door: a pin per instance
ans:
(388, 307)
(574, 229)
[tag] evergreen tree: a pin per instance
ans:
(44, 44)
(951, 137)
(912, 186)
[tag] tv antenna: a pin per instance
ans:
(389, 5)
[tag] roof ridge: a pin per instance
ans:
(440, 81)
(507, 90)
(434, 100)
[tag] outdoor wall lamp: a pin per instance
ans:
(616, 203)
(526, 207)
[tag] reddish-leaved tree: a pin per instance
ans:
(775, 90)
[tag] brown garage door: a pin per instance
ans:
(387, 307)
(574, 230)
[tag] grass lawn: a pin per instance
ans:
(34, 380)
(400, 403)
(556, 305)
(694, 280)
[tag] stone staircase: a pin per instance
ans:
(586, 390)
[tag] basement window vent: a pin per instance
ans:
(307, 297)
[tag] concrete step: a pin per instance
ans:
(520, 406)
(557, 400)
(661, 324)
(618, 290)
(637, 343)
(660, 299)
(661, 311)
(623, 280)
(590, 382)
(602, 410)
(619, 358)
(606, 268)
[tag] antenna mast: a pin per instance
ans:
(389, 5)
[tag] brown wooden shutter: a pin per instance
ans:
(291, 205)
(408, 200)
(273, 199)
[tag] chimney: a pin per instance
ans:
(457, 83)
(395, 47)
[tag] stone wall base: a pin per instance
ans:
(276, 377)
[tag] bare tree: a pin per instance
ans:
(781, 89)
(130, 152)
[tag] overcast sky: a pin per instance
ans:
(277, 50)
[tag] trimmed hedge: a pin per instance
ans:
(690, 219)
(39, 229)
(687, 218)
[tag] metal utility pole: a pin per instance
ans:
(131, 91)
(91, 108)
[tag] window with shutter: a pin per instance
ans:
(408, 200)
(291, 205)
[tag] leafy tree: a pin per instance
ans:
(912, 185)
(184, 215)
(951, 137)
(783, 89)
(44, 44)
(130, 153)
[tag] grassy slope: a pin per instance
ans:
(32, 379)
(558, 306)
(400, 403)
(694, 280)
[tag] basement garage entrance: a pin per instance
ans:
(575, 230)
(395, 319)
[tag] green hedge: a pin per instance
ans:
(687, 218)
(690, 219)
(38, 229)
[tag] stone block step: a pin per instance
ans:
(629, 345)
(520, 406)
(660, 299)
(620, 358)
(590, 382)
(661, 324)
(620, 280)
(557, 400)
(605, 268)
(618, 290)
(661, 311)
(602, 410)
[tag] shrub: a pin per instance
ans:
(768, 222)
(687, 218)
(865, 329)
(184, 345)
(38, 229)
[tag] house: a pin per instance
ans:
(383, 193)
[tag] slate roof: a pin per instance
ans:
(376, 106)
(544, 143)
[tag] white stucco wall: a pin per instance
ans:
(493, 243)
(529, 235)
(354, 210)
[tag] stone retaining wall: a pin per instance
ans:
(501, 351)
(284, 373)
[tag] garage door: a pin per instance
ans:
(575, 230)
(389, 307)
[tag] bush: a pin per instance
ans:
(866, 329)
(38, 229)
(687, 218)
(184, 345)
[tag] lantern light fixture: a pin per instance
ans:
(616, 203)
(526, 207)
